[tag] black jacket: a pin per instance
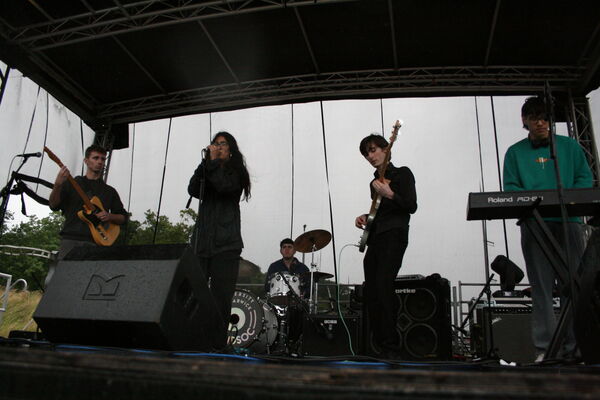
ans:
(218, 225)
(395, 213)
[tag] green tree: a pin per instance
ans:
(167, 232)
(36, 233)
(250, 273)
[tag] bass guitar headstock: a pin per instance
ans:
(395, 130)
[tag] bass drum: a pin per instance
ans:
(257, 326)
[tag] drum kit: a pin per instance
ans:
(274, 325)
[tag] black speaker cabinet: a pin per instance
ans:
(423, 320)
(129, 296)
(325, 335)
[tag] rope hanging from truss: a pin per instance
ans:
(293, 173)
(32, 119)
(45, 137)
(486, 257)
(162, 183)
(130, 180)
(498, 170)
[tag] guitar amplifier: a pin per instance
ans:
(510, 331)
(326, 335)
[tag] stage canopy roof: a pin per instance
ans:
(123, 61)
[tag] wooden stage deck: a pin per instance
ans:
(78, 372)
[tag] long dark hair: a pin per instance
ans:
(236, 161)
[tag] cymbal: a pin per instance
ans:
(312, 241)
(317, 275)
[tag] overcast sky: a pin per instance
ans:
(439, 142)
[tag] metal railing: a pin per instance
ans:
(9, 286)
(460, 307)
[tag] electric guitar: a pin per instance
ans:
(377, 200)
(103, 233)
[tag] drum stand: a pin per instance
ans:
(312, 300)
(284, 330)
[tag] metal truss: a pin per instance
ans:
(579, 124)
(338, 85)
(137, 16)
(4, 81)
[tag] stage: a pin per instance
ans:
(40, 370)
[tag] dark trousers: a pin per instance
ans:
(542, 279)
(381, 265)
(222, 271)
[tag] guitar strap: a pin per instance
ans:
(21, 188)
(85, 186)
(33, 179)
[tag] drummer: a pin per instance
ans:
(289, 264)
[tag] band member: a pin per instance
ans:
(217, 237)
(289, 264)
(528, 166)
(387, 241)
(63, 197)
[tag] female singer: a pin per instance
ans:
(222, 177)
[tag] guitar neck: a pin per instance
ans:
(80, 192)
(74, 183)
(386, 162)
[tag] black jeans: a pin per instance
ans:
(222, 270)
(381, 265)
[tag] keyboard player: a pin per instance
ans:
(528, 166)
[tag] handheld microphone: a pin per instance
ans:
(27, 155)
(206, 152)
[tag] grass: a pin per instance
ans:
(19, 310)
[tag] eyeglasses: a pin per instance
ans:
(537, 117)
(221, 144)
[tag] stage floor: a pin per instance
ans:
(39, 370)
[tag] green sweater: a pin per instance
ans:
(526, 168)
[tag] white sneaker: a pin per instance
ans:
(539, 357)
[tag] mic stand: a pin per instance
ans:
(5, 194)
(200, 201)
(568, 308)
(318, 327)
(491, 353)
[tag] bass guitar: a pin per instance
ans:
(103, 233)
(377, 200)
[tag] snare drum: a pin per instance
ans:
(279, 289)
(257, 328)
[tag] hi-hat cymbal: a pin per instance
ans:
(317, 275)
(312, 241)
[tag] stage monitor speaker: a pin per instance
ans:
(511, 329)
(153, 297)
(422, 323)
(325, 335)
